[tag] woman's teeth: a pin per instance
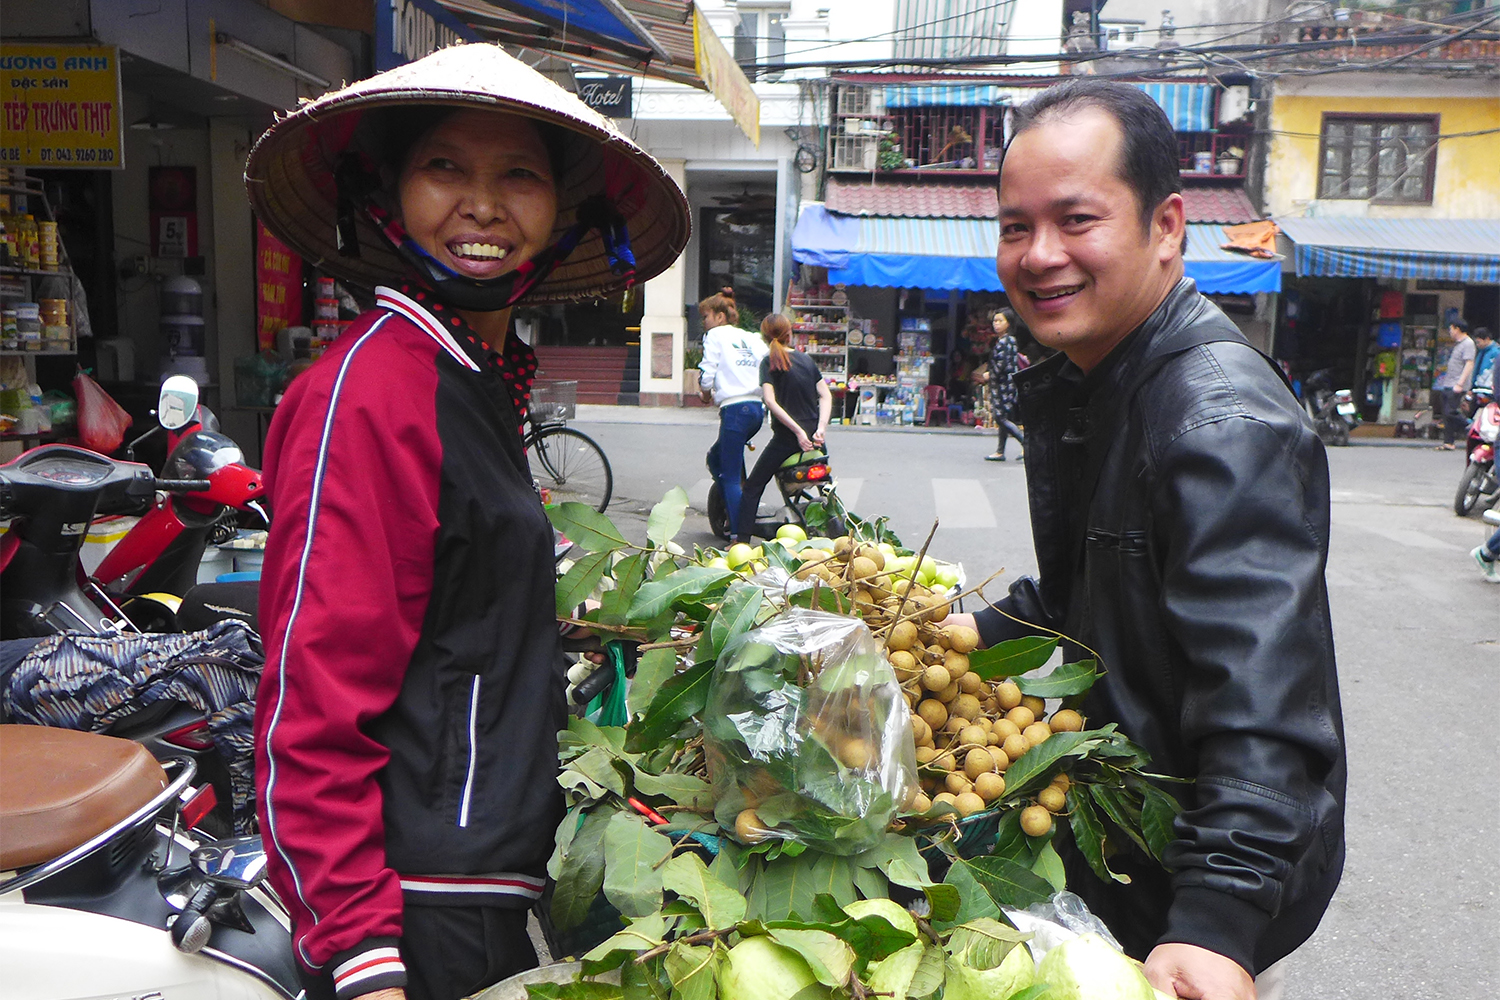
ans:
(480, 251)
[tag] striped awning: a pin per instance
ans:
(1465, 250)
(931, 95)
(1189, 106)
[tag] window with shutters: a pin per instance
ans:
(1378, 158)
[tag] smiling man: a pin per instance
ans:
(1179, 507)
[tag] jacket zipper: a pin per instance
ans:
(463, 805)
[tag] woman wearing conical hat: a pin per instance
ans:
(407, 719)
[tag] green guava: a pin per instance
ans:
(1087, 968)
(894, 913)
(760, 969)
(1016, 972)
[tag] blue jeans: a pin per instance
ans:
(780, 448)
(1492, 547)
(738, 423)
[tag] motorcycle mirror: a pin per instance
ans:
(237, 863)
(178, 403)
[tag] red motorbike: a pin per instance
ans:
(157, 561)
(1480, 488)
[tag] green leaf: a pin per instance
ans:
(691, 969)
(614, 605)
(651, 671)
(683, 789)
(574, 991)
(871, 883)
(579, 582)
(1005, 882)
(598, 765)
(944, 899)
(688, 582)
(582, 871)
(930, 973)
(830, 959)
(646, 981)
(633, 856)
(983, 943)
(1122, 813)
(974, 901)
(687, 876)
(680, 698)
(899, 859)
(1015, 656)
(1049, 865)
(641, 935)
(1088, 834)
(1067, 680)
(1035, 766)
(783, 887)
(1158, 812)
(737, 615)
(586, 527)
(667, 517)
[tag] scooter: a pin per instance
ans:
(155, 565)
(1479, 488)
(109, 897)
(804, 478)
(1332, 411)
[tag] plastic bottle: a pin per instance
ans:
(31, 244)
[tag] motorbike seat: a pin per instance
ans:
(62, 788)
(817, 454)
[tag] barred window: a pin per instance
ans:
(1380, 158)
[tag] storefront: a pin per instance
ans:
(1372, 299)
(904, 302)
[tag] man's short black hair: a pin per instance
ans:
(1148, 156)
(1461, 323)
(1483, 333)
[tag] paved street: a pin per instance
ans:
(1418, 636)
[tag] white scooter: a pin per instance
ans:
(102, 893)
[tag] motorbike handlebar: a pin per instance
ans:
(183, 485)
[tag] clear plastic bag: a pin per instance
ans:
(807, 734)
(1062, 918)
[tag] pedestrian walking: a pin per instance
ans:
(406, 722)
(1488, 558)
(1180, 509)
(800, 403)
(1449, 389)
(729, 376)
(1005, 362)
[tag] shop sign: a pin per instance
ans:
(61, 106)
(407, 30)
(608, 95)
(278, 287)
(724, 78)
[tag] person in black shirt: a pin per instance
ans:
(799, 402)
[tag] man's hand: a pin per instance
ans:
(707, 395)
(1193, 973)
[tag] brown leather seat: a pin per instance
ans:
(59, 788)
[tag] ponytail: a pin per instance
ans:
(776, 331)
(722, 302)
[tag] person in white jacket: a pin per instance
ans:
(729, 376)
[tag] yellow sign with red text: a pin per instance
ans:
(724, 78)
(61, 106)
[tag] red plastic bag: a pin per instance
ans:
(101, 421)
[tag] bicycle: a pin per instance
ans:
(567, 462)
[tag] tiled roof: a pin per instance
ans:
(914, 198)
(1225, 206)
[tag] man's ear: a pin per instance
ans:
(1170, 225)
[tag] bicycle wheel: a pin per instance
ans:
(571, 465)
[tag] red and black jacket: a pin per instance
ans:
(406, 722)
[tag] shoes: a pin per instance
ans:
(1443, 447)
(996, 457)
(1489, 567)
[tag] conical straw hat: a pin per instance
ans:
(290, 172)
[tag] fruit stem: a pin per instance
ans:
(906, 595)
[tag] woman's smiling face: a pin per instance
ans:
(478, 194)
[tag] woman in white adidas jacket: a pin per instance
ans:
(729, 376)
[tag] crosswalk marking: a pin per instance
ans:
(961, 503)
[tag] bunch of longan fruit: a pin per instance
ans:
(968, 731)
(874, 585)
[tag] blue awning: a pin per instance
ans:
(928, 95)
(959, 254)
(1189, 106)
(1465, 250)
(1219, 272)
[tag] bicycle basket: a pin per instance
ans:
(554, 402)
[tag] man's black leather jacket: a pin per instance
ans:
(1179, 505)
